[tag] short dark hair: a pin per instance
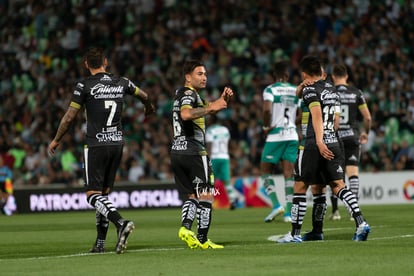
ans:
(190, 65)
(280, 70)
(339, 70)
(311, 65)
(95, 57)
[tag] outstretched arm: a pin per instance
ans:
(188, 113)
(64, 125)
(212, 108)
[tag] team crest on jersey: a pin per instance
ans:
(106, 78)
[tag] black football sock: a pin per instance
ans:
(318, 212)
(188, 213)
(354, 185)
(334, 201)
(102, 225)
(204, 220)
(106, 208)
(350, 201)
(298, 212)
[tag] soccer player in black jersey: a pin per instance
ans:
(189, 160)
(318, 190)
(102, 94)
(322, 157)
(353, 107)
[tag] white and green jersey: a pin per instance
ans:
(219, 137)
(284, 107)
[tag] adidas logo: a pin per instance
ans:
(353, 158)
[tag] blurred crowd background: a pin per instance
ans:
(43, 42)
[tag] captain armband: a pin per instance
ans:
(75, 105)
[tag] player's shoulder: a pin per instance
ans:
(350, 92)
(309, 91)
(347, 88)
(80, 85)
(185, 91)
(290, 85)
(355, 90)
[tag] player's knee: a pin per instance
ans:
(300, 188)
(205, 194)
(91, 198)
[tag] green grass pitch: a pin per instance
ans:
(57, 244)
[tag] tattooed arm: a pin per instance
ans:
(64, 125)
(211, 108)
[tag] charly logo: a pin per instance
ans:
(202, 190)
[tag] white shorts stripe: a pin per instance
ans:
(205, 165)
(300, 156)
(85, 155)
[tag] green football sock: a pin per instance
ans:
(288, 194)
(270, 187)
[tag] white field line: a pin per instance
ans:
(270, 238)
(274, 238)
(96, 254)
(107, 253)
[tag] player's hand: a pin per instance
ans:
(227, 94)
(325, 152)
(301, 86)
(149, 108)
(52, 147)
(266, 130)
(363, 138)
(217, 105)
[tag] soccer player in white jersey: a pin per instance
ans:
(280, 105)
(218, 138)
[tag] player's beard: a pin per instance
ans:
(201, 85)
